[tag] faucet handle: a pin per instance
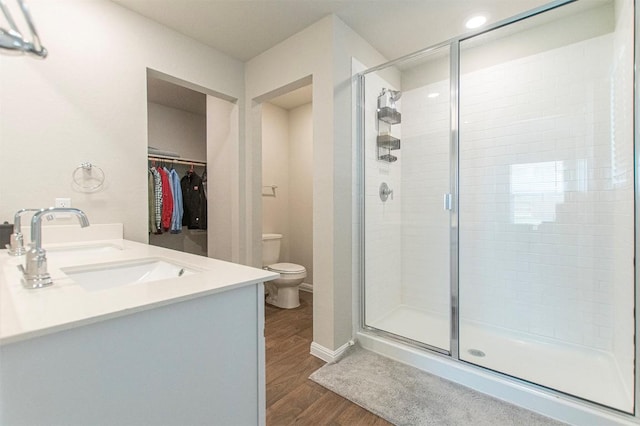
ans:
(16, 244)
(34, 272)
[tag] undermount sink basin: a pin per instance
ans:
(110, 275)
(83, 249)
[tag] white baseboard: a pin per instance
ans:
(306, 287)
(328, 355)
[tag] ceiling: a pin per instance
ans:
(243, 29)
(170, 94)
(294, 99)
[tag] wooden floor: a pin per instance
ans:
(293, 399)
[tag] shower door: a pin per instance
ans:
(546, 206)
(406, 126)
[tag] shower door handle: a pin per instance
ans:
(448, 201)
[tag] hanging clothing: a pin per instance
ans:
(151, 190)
(157, 199)
(172, 189)
(178, 207)
(167, 200)
(195, 203)
(204, 182)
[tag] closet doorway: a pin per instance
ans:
(192, 132)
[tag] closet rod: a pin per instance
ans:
(188, 162)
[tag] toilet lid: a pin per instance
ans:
(286, 267)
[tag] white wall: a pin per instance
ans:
(176, 130)
(347, 45)
(224, 214)
(301, 188)
(87, 102)
(275, 171)
(323, 51)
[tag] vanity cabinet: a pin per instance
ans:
(195, 362)
(180, 351)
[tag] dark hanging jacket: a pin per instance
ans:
(195, 202)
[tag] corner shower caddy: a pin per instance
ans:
(388, 115)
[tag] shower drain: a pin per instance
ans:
(476, 352)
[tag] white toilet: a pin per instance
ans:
(281, 292)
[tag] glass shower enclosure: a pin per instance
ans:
(498, 208)
(409, 155)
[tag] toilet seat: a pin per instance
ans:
(286, 268)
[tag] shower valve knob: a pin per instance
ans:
(385, 192)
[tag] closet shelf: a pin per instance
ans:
(174, 160)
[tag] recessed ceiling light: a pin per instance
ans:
(476, 21)
(433, 95)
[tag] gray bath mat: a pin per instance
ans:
(404, 395)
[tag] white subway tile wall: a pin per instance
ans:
(546, 196)
(622, 200)
(383, 220)
(425, 180)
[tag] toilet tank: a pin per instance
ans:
(270, 248)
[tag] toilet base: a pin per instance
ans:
(282, 297)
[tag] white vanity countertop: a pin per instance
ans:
(27, 313)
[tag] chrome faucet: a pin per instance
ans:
(34, 272)
(16, 244)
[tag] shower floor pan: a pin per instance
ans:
(580, 371)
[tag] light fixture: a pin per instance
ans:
(433, 95)
(476, 21)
